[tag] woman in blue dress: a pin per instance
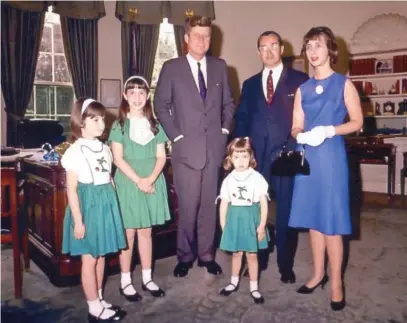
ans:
(321, 199)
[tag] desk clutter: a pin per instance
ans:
(45, 154)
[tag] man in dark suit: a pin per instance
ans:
(265, 115)
(194, 103)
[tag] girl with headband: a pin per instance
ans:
(243, 214)
(138, 146)
(93, 226)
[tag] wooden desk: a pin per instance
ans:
(377, 154)
(45, 201)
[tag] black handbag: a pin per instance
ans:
(290, 163)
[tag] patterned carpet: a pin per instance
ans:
(376, 287)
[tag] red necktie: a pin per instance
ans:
(270, 88)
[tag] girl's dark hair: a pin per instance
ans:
(329, 37)
(239, 145)
(94, 109)
(148, 110)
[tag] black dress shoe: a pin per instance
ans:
(257, 300)
(155, 292)
(119, 315)
(182, 268)
(288, 278)
(338, 306)
(227, 292)
(131, 298)
(304, 289)
(212, 266)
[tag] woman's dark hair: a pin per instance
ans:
(329, 37)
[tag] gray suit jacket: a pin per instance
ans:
(181, 111)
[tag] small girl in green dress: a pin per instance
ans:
(243, 214)
(93, 225)
(138, 146)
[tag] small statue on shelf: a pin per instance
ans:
(402, 108)
(374, 89)
(377, 109)
(395, 88)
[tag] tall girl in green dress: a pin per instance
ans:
(93, 225)
(138, 146)
(243, 214)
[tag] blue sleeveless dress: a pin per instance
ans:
(321, 199)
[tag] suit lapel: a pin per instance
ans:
(281, 83)
(210, 74)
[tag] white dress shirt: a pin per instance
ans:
(193, 64)
(275, 76)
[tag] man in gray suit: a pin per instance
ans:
(194, 103)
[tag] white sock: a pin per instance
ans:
(96, 308)
(102, 301)
(126, 280)
(254, 286)
(146, 275)
(235, 281)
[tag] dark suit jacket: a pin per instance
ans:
(180, 110)
(268, 127)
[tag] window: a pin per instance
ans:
(53, 94)
(166, 49)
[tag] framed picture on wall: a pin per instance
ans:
(110, 92)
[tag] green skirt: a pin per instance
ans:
(240, 229)
(140, 210)
(104, 231)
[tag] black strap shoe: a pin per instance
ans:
(227, 292)
(117, 316)
(212, 266)
(182, 268)
(154, 292)
(131, 298)
(257, 300)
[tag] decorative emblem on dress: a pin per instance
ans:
(101, 161)
(319, 89)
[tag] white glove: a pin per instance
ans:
(316, 136)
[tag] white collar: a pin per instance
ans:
(276, 70)
(192, 60)
(241, 176)
(93, 144)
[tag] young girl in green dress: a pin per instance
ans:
(138, 146)
(93, 226)
(243, 214)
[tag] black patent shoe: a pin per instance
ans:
(212, 266)
(257, 300)
(304, 289)
(131, 298)
(118, 316)
(227, 292)
(156, 293)
(182, 268)
(338, 306)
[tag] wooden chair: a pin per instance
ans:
(9, 210)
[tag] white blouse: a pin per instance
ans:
(91, 160)
(243, 188)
